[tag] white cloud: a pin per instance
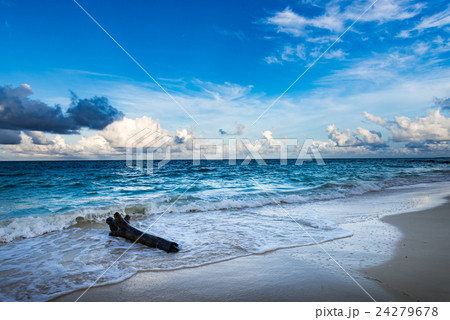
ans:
(421, 48)
(331, 149)
(322, 39)
(224, 92)
(340, 138)
(335, 54)
(272, 59)
(369, 137)
(212, 105)
(429, 134)
(437, 20)
(298, 53)
(404, 34)
(110, 141)
(423, 135)
(287, 21)
(375, 119)
(288, 53)
(335, 18)
(94, 145)
(380, 68)
(57, 148)
(384, 10)
(267, 135)
(118, 132)
(381, 85)
(433, 127)
(359, 138)
(293, 53)
(376, 85)
(38, 137)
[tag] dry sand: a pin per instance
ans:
(417, 270)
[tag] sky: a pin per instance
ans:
(360, 79)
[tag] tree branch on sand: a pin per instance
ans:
(120, 227)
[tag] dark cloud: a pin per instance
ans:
(374, 147)
(9, 137)
(378, 133)
(20, 113)
(429, 146)
(179, 140)
(417, 145)
(95, 113)
(239, 130)
(443, 103)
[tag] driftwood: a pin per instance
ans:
(120, 227)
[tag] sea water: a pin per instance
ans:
(54, 239)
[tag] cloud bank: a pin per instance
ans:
(433, 127)
(423, 135)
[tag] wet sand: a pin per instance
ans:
(417, 269)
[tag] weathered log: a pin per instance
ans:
(120, 227)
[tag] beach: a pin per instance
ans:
(418, 271)
(415, 270)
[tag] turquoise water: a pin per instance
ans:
(53, 238)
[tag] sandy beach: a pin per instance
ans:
(419, 268)
(415, 271)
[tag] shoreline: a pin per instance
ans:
(418, 269)
(248, 279)
(307, 273)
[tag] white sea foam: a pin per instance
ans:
(42, 267)
(32, 226)
(45, 266)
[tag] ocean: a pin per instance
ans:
(54, 239)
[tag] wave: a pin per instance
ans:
(80, 255)
(35, 225)
(32, 226)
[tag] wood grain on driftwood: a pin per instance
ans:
(120, 227)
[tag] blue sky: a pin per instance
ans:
(226, 61)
